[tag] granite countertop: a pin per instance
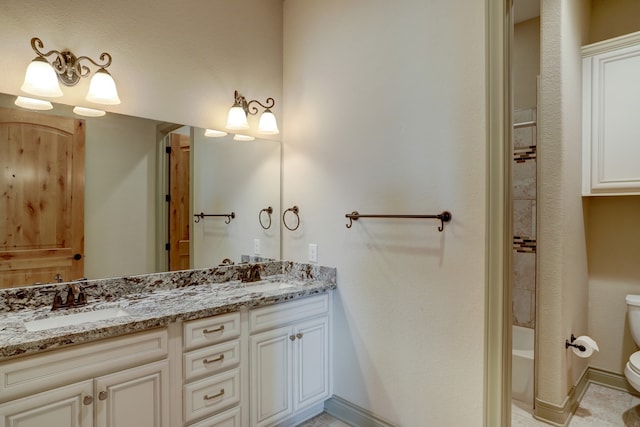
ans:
(151, 308)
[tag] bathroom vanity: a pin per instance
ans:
(196, 348)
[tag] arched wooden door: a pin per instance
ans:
(41, 198)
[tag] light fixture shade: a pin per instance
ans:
(268, 124)
(41, 79)
(33, 104)
(239, 137)
(88, 112)
(237, 118)
(102, 89)
(212, 133)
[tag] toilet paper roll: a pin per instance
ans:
(589, 346)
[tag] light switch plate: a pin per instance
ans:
(256, 246)
(313, 252)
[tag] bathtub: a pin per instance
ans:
(522, 364)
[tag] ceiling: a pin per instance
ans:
(525, 10)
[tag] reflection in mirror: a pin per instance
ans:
(239, 177)
(124, 199)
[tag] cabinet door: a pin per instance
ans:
(137, 397)
(69, 406)
(271, 383)
(311, 362)
(612, 121)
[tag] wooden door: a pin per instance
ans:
(179, 217)
(41, 198)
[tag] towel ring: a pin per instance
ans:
(295, 210)
(269, 211)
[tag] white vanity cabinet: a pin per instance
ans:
(611, 117)
(119, 382)
(289, 359)
(212, 371)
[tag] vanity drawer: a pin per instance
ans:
(206, 397)
(230, 418)
(211, 330)
(210, 360)
(32, 374)
(276, 315)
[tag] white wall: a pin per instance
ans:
(241, 177)
(526, 63)
(385, 113)
(562, 272)
(172, 61)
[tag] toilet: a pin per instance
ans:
(632, 370)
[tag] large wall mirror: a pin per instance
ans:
(127, 222)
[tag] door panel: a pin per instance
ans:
(41, 197)
(179, 217)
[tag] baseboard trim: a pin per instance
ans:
(353, 414)
(560, 415)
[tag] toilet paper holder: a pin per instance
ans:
(568, 344)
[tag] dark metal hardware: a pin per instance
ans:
(443, 217)
(299, 335)
(241, 101)
(88, 400)
(77, 257)
(217, 359)
(215, 396)
(202, 215)
(252, 274)
(568, 344)
(295, 211)
(219, 329)
(269, 211)
(76, 297)
(103, 395)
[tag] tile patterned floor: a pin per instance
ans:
(600, 407)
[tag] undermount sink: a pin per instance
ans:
(264, 287)
(74, 319)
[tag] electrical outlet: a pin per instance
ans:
(313, 252)
(256, 246)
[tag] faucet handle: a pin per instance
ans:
(57, 301)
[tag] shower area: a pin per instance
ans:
(525, 63)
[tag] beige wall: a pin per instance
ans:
(170, 62)
(526, 63)
(613, 18)
(613, 229)
(385, 113)
(562, 255)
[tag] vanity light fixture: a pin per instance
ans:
(213, 133)
(33, 104)
(88, 112)
(43, 74)
(237, 117)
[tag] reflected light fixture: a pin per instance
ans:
(237, 117)
(88, 112)
(212, 133)
(238, 137)
(44, 73)
(33, 104)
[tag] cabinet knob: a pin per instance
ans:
(292, 337)
(88, 400)
(102, 395)
(299, 335)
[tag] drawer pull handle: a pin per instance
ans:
(102, 395)
(215, 396)
(88, 400)
(207, 331)
(217, 359)
(299, 335)
(292, 337)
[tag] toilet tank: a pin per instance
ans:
(633, 313)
